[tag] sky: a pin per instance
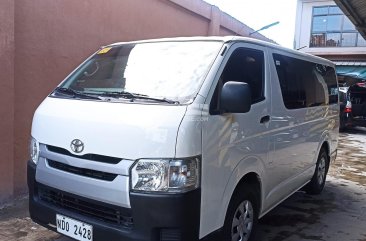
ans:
(259, 13)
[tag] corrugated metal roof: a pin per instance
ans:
(356, 12)
(349, 63)
(358, 72)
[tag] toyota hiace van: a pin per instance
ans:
(181, 139)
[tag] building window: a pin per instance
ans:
(361, 42)
(331, 28)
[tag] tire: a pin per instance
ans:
(242, 215)
(316, 185)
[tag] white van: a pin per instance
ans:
(181, 139)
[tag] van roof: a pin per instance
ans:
(226, 39)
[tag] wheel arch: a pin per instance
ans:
(325, 146)
(251, 177)
(324, 143)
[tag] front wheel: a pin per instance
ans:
(316, 185)
(242, 216)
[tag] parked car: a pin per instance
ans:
(181, 139)
(353, 106)
(345, 113)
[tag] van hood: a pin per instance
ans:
(124, 130)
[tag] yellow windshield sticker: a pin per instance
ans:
(104, 50)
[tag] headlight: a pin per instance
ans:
(34, 150)
(165, 175)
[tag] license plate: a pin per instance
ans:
(73, 228)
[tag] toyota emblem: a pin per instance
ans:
(77, 146)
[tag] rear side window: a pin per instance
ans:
(305, 84)
(329, 75)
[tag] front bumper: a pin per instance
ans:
(155, 217)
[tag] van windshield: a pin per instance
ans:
(171, 72)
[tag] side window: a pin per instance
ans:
(244, 65)
(329, 75)
(303, 84)
(293, 91)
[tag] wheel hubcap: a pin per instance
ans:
(321, 171)
(242, 222)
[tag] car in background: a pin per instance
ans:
(345, 113)
(352, 105)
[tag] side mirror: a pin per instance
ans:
(235, 97)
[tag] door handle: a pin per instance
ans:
(265, 119)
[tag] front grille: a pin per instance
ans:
(97, 210)
(91, 157)
(82, 171)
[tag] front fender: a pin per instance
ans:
(250, 164)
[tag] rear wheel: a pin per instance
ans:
(241, 218)
(316, 185)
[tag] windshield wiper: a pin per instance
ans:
(75, 93)
(133, 96)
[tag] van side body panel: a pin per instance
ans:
(232, 146)
(297, 136)
(283, 154)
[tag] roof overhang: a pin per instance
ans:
(355, 10)
(356, 70)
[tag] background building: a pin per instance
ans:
(42, 41)
(355, 10)
(324, 30)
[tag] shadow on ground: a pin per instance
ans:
(337, 214)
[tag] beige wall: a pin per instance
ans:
(53, 37)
